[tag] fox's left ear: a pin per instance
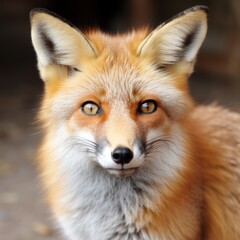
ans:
(177, 40)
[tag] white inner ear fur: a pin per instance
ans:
(166, 43)
(69, 45)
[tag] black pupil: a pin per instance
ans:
(90, 106)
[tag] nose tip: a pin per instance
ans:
(122, 155)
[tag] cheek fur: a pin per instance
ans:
(80, 120)
(154, 121)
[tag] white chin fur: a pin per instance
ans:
(122, 172)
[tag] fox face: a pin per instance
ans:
(118, 99)
(125, 153)
(116, 153)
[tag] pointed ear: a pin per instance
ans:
(177, 40)
(58, 43)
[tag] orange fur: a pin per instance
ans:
(202, 200)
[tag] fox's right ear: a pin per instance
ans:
(57, 43)
(178, 40)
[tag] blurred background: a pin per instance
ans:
(23, 214)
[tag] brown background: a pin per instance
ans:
(23, 215)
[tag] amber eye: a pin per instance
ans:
(91, 108)
(147, 107)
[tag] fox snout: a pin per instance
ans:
(120, 148)
(121, 161)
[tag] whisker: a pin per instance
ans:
(154, 146)
(82, 145)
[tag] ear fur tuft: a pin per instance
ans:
(178, 39)
(58, 42)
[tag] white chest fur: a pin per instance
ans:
(107, 212)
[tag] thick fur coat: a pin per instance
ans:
(126, 153)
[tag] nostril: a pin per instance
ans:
(122, 155)
(116, 154)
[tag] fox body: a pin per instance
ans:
(126, 153)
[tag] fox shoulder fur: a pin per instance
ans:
(126, 153)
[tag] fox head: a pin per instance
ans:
(117, 102)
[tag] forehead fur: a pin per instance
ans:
(119, 69)
(105, 42)
(123, 73)
(118, 75)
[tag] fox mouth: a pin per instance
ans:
(122, 172)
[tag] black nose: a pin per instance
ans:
(122, 155)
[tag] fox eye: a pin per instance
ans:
(147, 107)
(90, 108)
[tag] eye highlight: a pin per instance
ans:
(90, 108)
(147, 107)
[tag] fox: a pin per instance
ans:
(126, 152)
